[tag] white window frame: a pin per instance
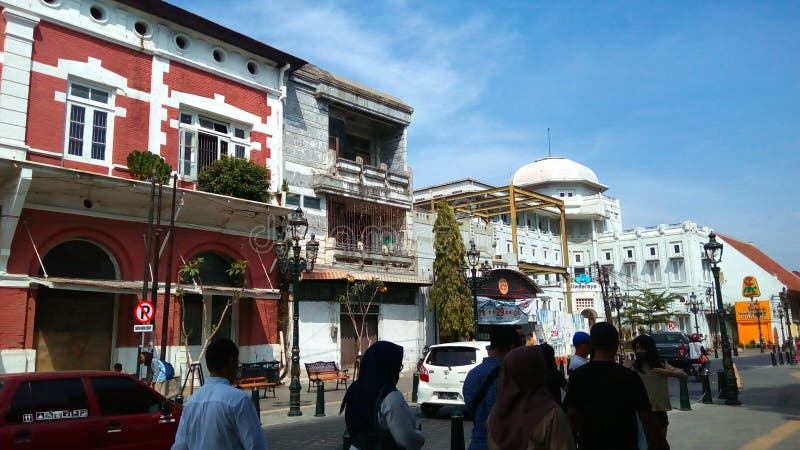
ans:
(653, 271)
(194, 128)
(577, 256)
(608, 255)
(629, 270)
(652, 251)
(677, 270)
(88, 106)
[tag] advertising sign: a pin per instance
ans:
(750, 287)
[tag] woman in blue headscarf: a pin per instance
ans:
(376, 414)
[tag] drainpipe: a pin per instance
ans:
(282, 99)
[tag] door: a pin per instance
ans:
(73, 330)
(45, 414)
(130, 415)
(349, 349)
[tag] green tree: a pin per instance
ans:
(357, 299)
(451, 298)
(649, 308)
(236, 177)
(143, 165)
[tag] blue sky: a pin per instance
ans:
(686, 110)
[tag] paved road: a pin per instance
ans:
(771, 396)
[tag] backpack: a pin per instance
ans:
(169, 371)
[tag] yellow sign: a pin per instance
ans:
(750, 287)
(502, 286)
(749, 315)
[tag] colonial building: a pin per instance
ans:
(85, 83)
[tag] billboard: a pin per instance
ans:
(748, 315)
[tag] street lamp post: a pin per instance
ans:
(473, 258)
(710, 298)
(713, 251)
(292, 265)
(694, 307)
(604, 282)
(785, 301)
(779, 313)
(616, 303)
(757, 311)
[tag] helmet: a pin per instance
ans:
(695, 337)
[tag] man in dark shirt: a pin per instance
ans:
(604, 398)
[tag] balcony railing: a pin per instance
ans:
(355, 178)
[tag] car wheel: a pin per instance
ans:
(429, 410)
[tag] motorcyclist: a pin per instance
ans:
(698, 356)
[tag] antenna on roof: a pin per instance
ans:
(548, 143)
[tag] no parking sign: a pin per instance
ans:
(144, 312)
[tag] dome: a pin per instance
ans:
(549, 170)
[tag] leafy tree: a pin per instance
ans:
(649, 308)
(190, 273)
(357, 299)
(451, 298)
(143, 165)
(236, 177)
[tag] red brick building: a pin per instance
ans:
(82, 85)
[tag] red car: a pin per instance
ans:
(83, 410)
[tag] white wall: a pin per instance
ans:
(14, 361)
(401, 324)
(316, 319)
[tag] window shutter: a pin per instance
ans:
(188, 153)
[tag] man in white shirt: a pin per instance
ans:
(583, 346)
(218, 415)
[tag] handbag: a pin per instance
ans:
(703, 359)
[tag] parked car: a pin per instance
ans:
(84, 409)
(442, 374)
(673, 347)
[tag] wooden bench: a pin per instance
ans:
(326, 371)
(257, 383)
(256, 376)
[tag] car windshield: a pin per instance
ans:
(668, 338)
(451, 356)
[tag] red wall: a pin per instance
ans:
(17, 310)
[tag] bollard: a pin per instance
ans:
(457, 432)
(685, 406)
(706, 380)
(721, 384)
(561, 367)
(780, 358)
(772, 357)
(790, 358)
(320, 412)
(414, 387)
(256, 402)
(735, 350)
(346, 440)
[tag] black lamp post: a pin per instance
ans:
(790, 343)
(604, 288)
(713, 251)
(756, 310)
(473, 259)
(779, 313)
(710, 298)
(695, 307)
(615, 301)
(292, 265)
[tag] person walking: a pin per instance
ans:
(218, 415)
(604, 398)
(554, 380)
(654, 374)
(525, 417)
(583, 347)
(156, 370)
(376, 414)
(480, 385)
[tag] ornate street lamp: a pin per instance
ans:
(790, 343)
(758, 311)
(473, 259)
(695, 307)
(604, 287)
(779, 313)
(713, 251)
(714, 331)
(615, 301)
(292, 266)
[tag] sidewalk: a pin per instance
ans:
(274, 410)
(769, 417)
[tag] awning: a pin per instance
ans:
(135, 287)
(341, 274)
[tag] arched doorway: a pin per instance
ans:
(590, 315)
(74, 329)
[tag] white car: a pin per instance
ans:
(442, 374)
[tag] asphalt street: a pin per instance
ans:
(765, 391)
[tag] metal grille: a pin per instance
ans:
(368, 227)
(76, 122)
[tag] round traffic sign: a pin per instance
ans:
(671, 325)
(143, 312)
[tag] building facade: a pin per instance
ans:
(85, 83)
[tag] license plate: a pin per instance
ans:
(447, 395)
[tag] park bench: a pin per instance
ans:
(326, 371)
(256, 376)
